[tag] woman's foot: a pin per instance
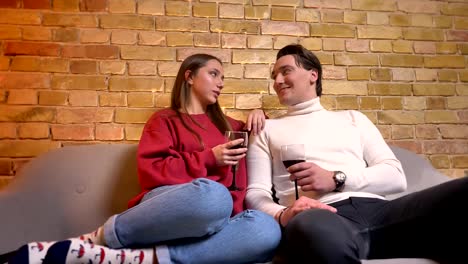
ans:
(34, 253)
(78, 251)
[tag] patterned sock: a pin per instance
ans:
(78, 251)
(35, 252)
(95, 237)
(32, 253)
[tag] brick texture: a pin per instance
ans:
(90, 71)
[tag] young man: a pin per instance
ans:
(341, 215)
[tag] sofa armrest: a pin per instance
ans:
(420, 174)
(67, 192)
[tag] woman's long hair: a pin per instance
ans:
(181, 92)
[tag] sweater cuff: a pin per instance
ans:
(354, 180)
(209, 158)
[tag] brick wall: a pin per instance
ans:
(91, 71)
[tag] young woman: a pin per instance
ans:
(185, 213)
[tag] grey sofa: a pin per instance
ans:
(73, 190)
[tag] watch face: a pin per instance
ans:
(340, 179)
(340, 176)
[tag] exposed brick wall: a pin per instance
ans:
(89, 71)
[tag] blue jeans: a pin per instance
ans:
(191, 223)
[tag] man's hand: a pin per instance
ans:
(255, 121)
(302, 204)
(311, 177)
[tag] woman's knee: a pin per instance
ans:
(263, 228)
(211, 194)
(212, 204)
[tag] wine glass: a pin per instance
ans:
(232, 135)
(290, 155)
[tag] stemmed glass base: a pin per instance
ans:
(233, 186)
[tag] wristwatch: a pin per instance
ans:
(340, 178)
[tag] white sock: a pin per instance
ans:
(95, 237)
(82, 252)
(32, 253)
(35, 252)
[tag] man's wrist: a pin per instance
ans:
(280, 215)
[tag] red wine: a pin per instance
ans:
(288, 163)
(238, 146)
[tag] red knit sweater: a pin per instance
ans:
(169, 154)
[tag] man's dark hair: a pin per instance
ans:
(305, 59)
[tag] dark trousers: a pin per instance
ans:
(432, 224)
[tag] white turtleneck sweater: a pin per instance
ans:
(344, 141)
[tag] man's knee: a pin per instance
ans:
(320, 235)
(314, 223)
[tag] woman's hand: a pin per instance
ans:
(226, 155)
(255, 121)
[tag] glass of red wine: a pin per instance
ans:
(232, 135)
(292, 154)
